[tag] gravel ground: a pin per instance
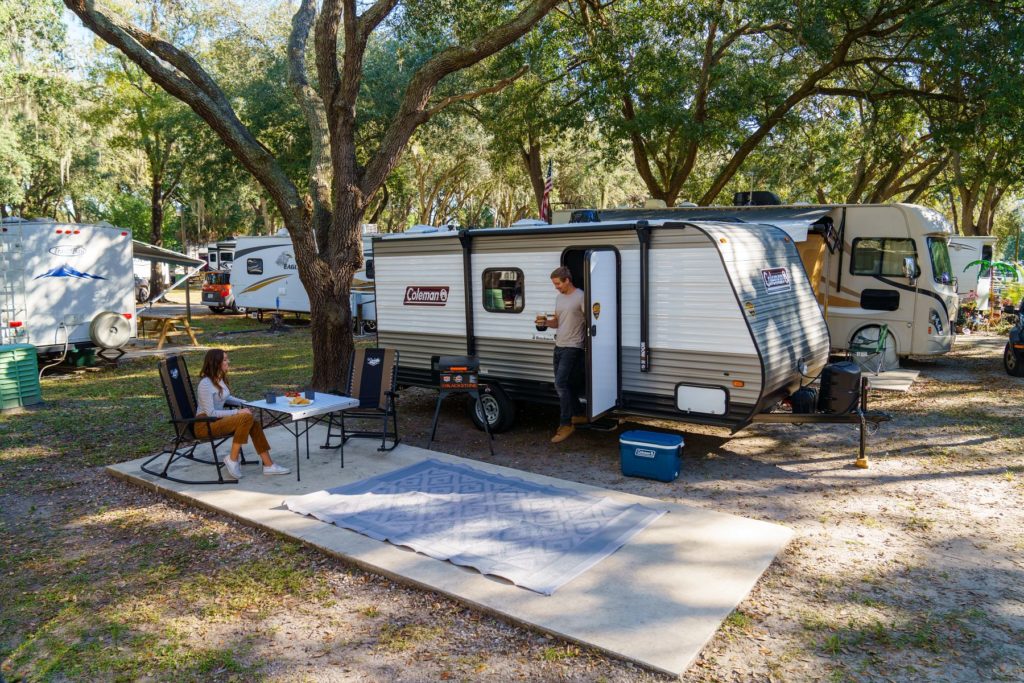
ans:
(908, 571)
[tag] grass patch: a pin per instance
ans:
(402, 638)
(559, 653)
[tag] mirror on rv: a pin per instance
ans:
(910, 269)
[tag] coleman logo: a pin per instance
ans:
(425, 296)
(775, 279)
(644, 453)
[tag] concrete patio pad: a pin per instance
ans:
(656, 601)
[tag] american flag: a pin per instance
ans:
(545, 203)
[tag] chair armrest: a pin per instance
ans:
(193, 420)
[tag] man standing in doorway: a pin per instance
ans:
(570, 322)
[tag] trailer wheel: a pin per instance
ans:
(500, 409)
(1012, 363)
(370, 325)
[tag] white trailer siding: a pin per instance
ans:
(55, 278)
(700, 334)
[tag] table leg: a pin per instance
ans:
(164, 329)
(188, 329)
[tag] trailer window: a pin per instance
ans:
(254, 266)
(218, 278)
(881, 256)
(503, 290)
(942, 268)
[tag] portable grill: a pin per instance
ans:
(458, 375)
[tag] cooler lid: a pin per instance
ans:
(640, 437)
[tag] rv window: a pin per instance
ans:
(503, 290)
(880, 256)
(226, 256)
(942, 268)
(218, 278)
(254, 266)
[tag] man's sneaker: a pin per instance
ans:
(233, 467)
(580, 420)
(275, 469)
(563, 433)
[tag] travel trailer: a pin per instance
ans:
(65, 285)
(872, 265)
(704, 322)
(267, 279)
(964, 250)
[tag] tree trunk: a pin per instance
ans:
(156, 235)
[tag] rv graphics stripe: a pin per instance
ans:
(260, 284)
(68, 271)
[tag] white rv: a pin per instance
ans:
(58, 279)
(964, 250)
(871, 265)
(267, 279)
(702, 322)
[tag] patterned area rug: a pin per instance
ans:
(538, 537)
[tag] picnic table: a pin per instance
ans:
(163, 327)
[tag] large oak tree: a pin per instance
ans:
(324, 218)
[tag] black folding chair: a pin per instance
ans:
(373, 379)
(181, 401)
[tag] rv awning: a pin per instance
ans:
(151, 252)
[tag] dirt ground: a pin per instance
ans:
(910, 570)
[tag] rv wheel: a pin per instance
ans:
(1012, 363)
(500, 409)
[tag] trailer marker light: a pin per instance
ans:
(127, 316)
(1018, 346)
(60, 232)
(124, 234)
(738, 383)
(77, 231)
(722, 240)
(15, 324)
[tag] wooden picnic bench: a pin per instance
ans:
(163, 327)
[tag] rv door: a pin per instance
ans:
(601, 291)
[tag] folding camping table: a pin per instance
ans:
(296, 419)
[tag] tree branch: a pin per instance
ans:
(493, 88)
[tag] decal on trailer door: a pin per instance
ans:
(776, 279)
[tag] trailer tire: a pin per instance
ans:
(217, 309)
(500, 409)
(1012, 364)
(370, 325)
(109, 330)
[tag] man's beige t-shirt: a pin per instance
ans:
(571, 319)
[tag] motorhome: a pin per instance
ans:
(872, 265)
(59, 281)
(964, 250)
(267, 279)
(706, 322)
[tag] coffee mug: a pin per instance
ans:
(541, 322)
(310, 394)
(271, 397)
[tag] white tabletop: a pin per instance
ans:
(321, 405)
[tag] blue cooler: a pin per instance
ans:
(652, 455)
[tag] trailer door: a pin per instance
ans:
(601, 290)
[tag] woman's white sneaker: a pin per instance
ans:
(275, 469)
(233, 467)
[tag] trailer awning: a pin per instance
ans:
(151, 252)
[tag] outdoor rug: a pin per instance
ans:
(536, 536)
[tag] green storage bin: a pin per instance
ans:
(19, 376)
(81, 357)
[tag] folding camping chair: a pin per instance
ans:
(869, 353)
(181, 401)
(373, 379)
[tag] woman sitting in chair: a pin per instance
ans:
(212, 395)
